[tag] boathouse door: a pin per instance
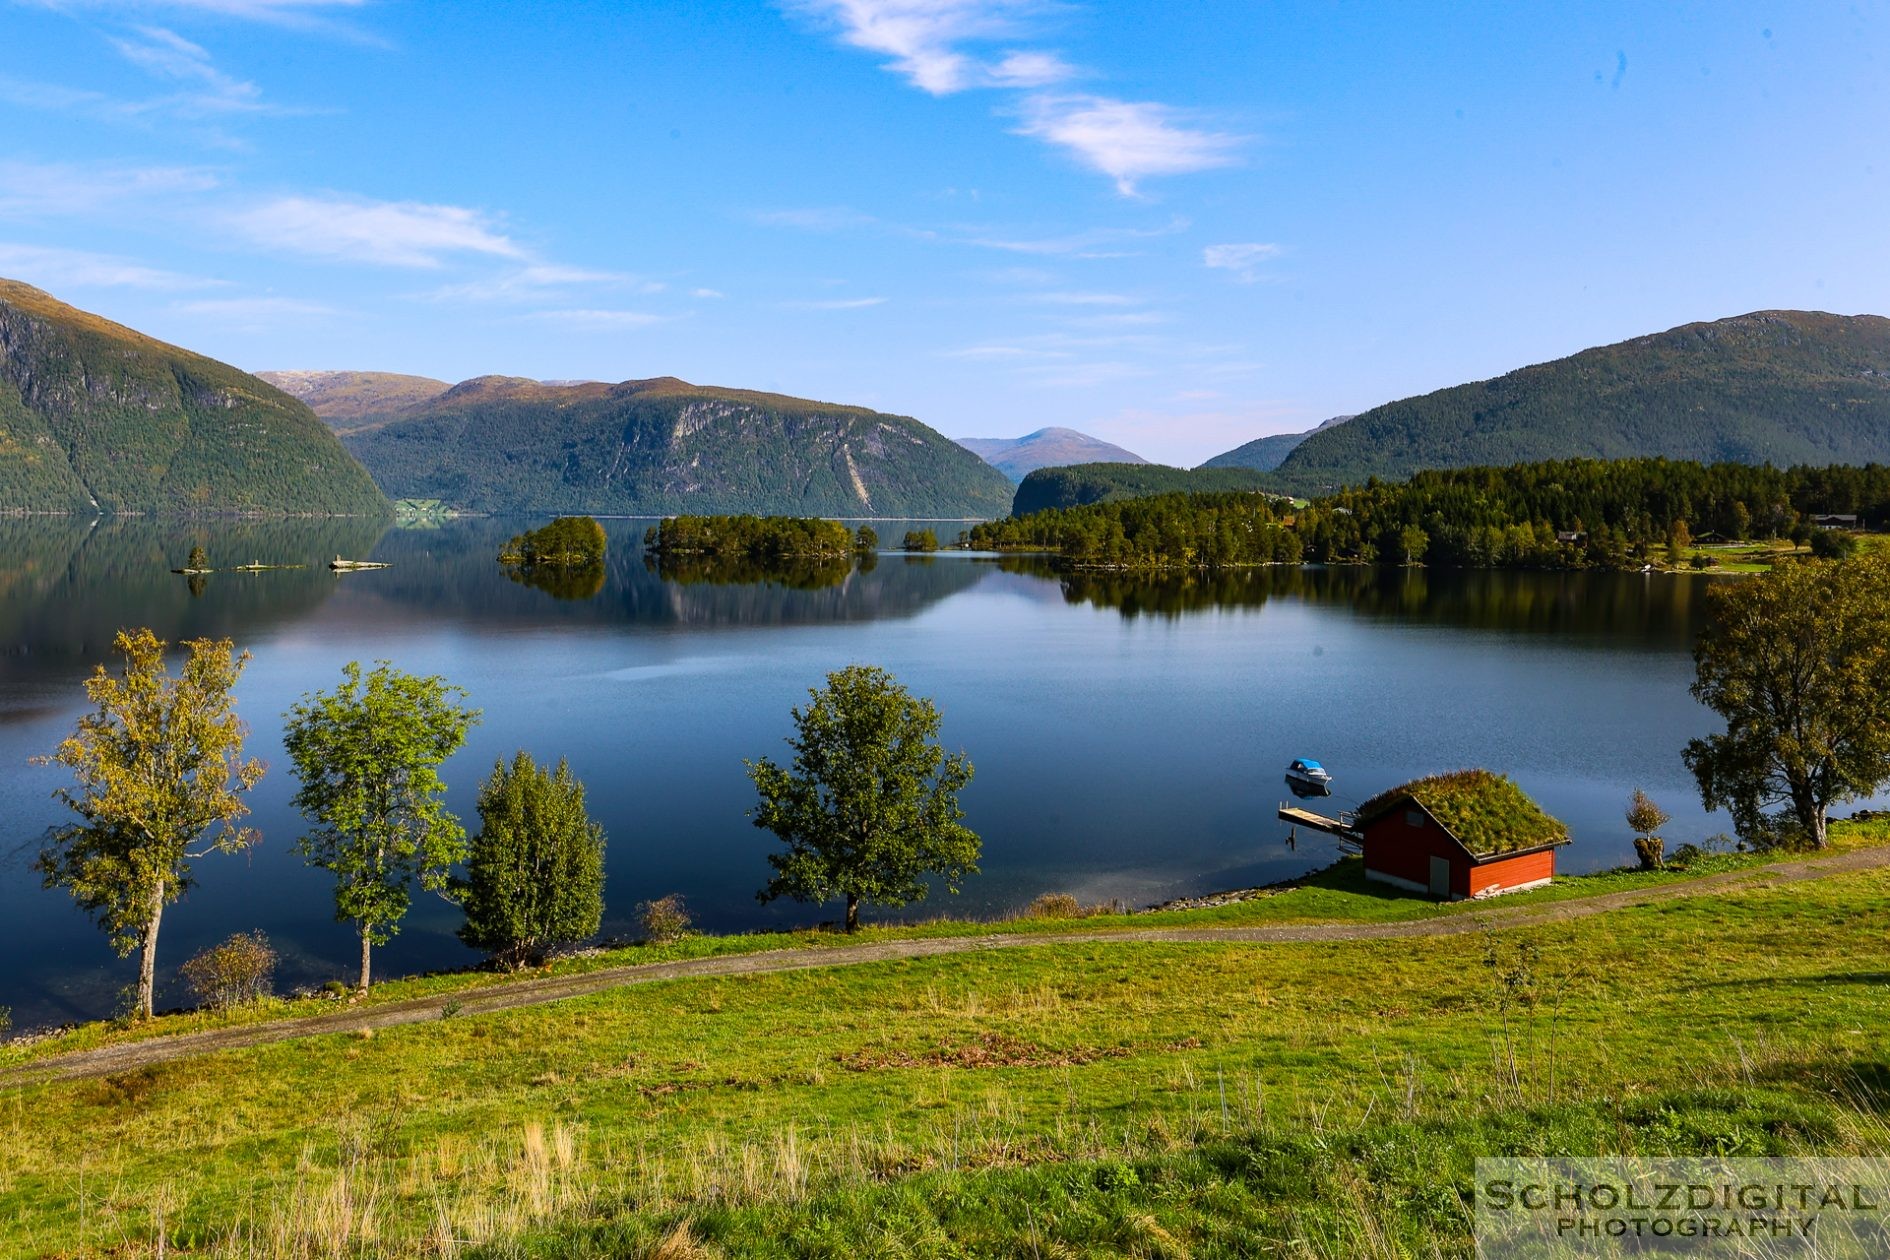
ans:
(1440, 877)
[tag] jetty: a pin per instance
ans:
(253, 567)
(348, 566)
(1344, 828)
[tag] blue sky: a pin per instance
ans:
(1177, 226)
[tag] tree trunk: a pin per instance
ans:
(1810, 811)
(147, 954)
(366, 945)
(853, 912)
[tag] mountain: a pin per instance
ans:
(96, 416)
(498, 443)
(350, 400)
(1046, 448)
(1105, 483)
(1267, 453)
(1778, 387)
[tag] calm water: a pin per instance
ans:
(1128, 735)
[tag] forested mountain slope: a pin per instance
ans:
(1778, 387)
(661, 446)
(95, 416)
(1268, 453)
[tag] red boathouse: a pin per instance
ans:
(1466, 834)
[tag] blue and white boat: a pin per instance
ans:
(1308, 778)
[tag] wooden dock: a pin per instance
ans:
(1344, 828)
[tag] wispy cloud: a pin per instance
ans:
(1089, 243)
(194, 88)
(386, 233)
(835, 304)
(78, 269)
(1092, 243)
(943, 46)
(1087, 375)
(40, 189)
(1128, 141)
(598, 320)
(816, 218)
(1003, 353)
(253, 312)
(164, 54)
(1243, 260)
(707, 293)
(925, 40)
(1062, 298)
(535, 281)
(312, 15)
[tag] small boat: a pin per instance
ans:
(1308, 778)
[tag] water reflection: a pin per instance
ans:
(1653, 607)
(580, 582)
(68, 586)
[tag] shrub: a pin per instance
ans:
(665, 919)
(1053, 906)
(234, 973)
(920, 540)
(535, 876)
(1831, 544)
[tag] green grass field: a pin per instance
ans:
(1074, 1099)
(1338, 894)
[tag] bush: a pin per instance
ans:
(665, 919)
(535, 874)
(1831, 544)
(1053, 906)
(920, 540)
(234, 973)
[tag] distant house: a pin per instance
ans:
(1710, 537)
(1455, 836)
(1835, 520)
(1574, 537)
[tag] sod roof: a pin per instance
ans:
(1488, 814)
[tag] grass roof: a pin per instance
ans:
(1487, 813)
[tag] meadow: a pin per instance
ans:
(1056, 1099)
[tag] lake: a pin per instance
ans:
(1128, 734)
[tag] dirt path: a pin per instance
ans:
(500, 997)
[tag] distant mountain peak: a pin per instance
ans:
(1050, 447)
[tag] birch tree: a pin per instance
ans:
(368, 756)
(160, 776)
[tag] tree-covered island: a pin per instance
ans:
(753, 538)
(569, 542)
